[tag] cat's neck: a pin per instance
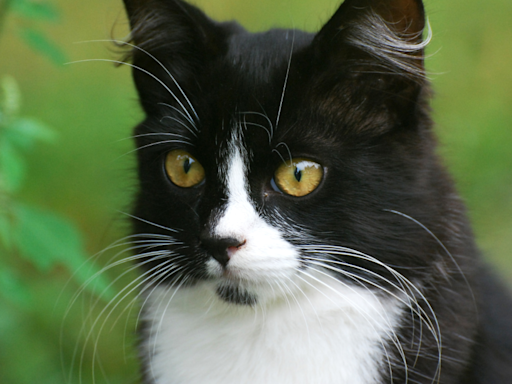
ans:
(323, 332)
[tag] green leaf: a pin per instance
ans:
(47, 239)
(39, 42)
(12, 167)
(11, 98)
(36, 10)
(5, 230)
(23, 132)
(12, 288)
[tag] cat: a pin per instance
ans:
(295, 222)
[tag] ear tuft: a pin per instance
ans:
(390, 32)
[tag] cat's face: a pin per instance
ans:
(267, 159)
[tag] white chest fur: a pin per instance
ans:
(323, 333)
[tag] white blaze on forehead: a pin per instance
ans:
(239, 212)
(265, 254)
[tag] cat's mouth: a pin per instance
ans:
(233, 288)
(230, 275)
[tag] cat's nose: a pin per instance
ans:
(222, 249)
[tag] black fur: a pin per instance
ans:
(364, 117)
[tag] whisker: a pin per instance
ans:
(281, 156)
(398, 276)
(269, 133)
(157, 143)
(149, 222)
(442, 246)
(159, 327)
(343, 251)
(111, 265)
(285, 80)
(157, 133)
(182, 114)
(179, 122)
(264, 116)
(355, 306)
(162, 271)
(159, 63)
(154, 285)
(114, 307)
(92, 327)
(142, 70)
(288, 149)
(419, 312)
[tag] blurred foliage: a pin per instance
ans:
(77, 170)
(30, 12)
(41, 237)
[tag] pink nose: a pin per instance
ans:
(231, 250)
(221, 249)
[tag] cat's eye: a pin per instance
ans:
(183, 169)
(298, 177)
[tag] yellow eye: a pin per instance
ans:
(299, 177)
(183, 169)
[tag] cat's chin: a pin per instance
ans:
(235, 294)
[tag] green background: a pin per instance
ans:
(87, 174)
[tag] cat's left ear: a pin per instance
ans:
(376, 36)
(170, 38)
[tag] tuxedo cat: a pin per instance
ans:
(296, 225)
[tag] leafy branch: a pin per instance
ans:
(41, 237)
(26, 13)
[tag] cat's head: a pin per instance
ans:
(268, 157)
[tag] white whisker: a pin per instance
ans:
(285, 80)
(354, 305)
(181, 123)
(160, 64)
(287, 149)
(142, 70)
(442, 246)
(149, 222)
(271, 126)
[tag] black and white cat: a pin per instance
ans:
(296, 222)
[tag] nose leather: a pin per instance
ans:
(219, 248)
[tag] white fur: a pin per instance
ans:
(327, 334)
(265, 253)
(307, 327)
(374, 35)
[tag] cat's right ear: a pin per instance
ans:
(371, 53)
(376, 36)
(169, 37)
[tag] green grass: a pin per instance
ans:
(86, 177)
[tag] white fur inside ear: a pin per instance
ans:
(320, 331)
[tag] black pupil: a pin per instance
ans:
(298, 174)
(187, 164)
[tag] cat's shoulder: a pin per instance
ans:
(492, 352)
